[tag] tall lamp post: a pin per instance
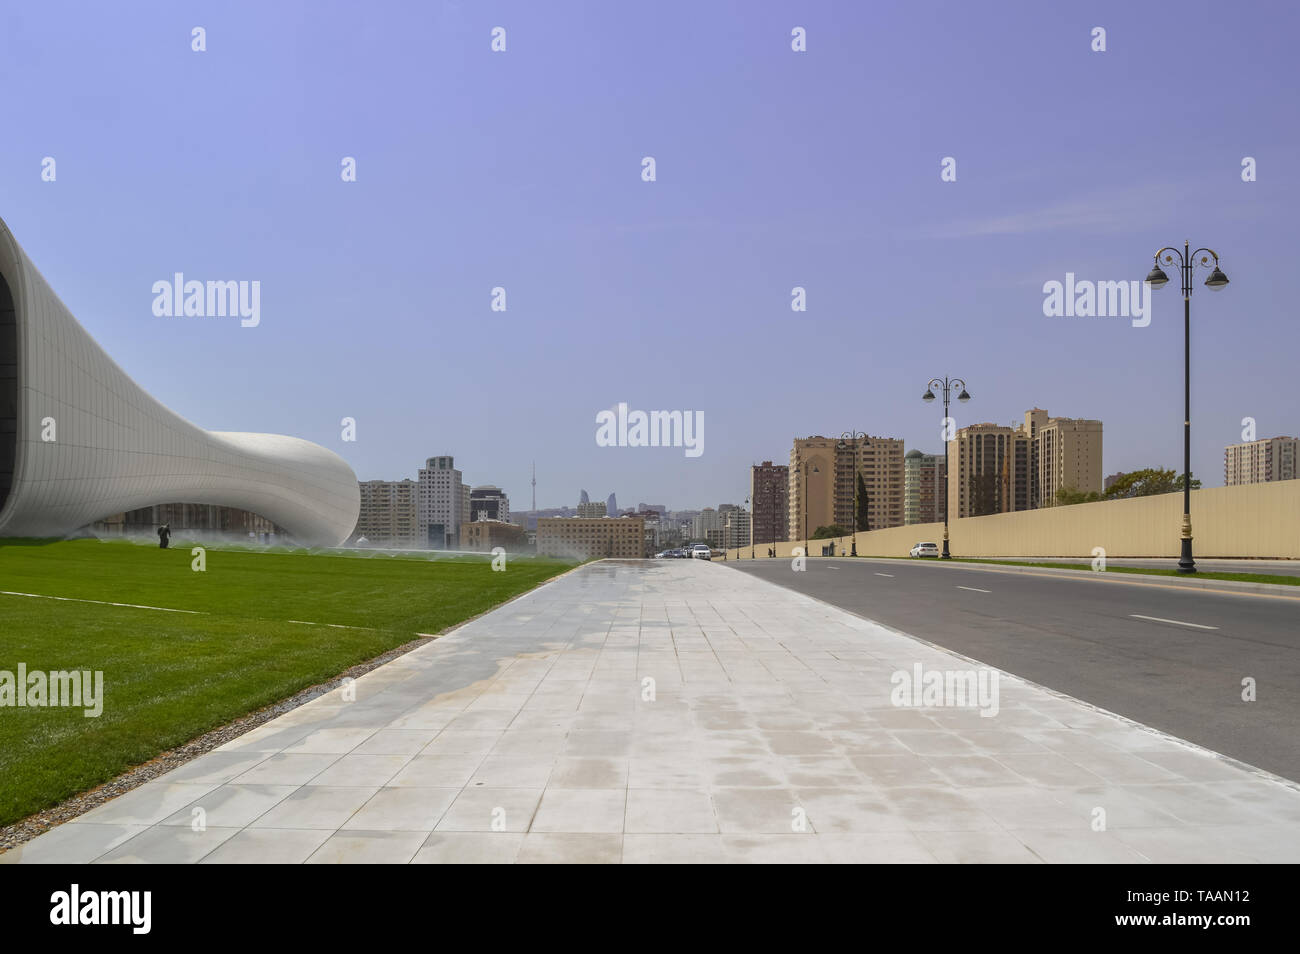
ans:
(1217, 280)
(845, 438)
(927, 397)
(751, 530)
(775, 498)
(804, 467)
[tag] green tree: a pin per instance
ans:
(864, 512)
(1148, 482)
(825, 533)
(1068, 495)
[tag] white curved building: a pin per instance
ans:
(114, 448)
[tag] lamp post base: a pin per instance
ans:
(1185, 562)
(946, 555)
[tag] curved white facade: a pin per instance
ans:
(117, 449)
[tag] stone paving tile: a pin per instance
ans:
(231, 806)
(570, 848)
(315, 806)
(469, 848)
(665, 712)
(403, 809)
(147, 805)
(72, 844)
(368, 848)
(269, 846)
(167, 845)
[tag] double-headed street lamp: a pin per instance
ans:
(1158, 279)
(845, 438)
(927, 397)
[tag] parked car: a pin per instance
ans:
(924, 550)
(702, 551)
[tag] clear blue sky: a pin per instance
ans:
(523, 169)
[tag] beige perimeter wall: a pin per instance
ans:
(1254, 520)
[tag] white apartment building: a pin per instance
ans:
(443, 503)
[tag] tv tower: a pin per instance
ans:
(534, 486)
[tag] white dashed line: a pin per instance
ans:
(73, 599)
(1176, 622)
(890, 575)
(974, 589)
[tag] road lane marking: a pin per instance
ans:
(890, 575)
(1176, 622)
(974, 589)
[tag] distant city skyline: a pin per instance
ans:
(775, 170)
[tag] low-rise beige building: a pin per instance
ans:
(590, 538)
(484, 535)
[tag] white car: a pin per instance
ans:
(924, 550)
(701, 551)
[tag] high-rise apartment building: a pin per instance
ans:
(707, 527)
(811, 493)
(1065, 455)
(488, 503)
(735, 529)
(769, 492)
(1257, 462)
(990, 470)
(880, 462)
(389, 514)
(443, 503)
(924, 476)
(1001, 469)
(823, 479)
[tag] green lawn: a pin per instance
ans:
(169, 677)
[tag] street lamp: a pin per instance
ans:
(1217, 280)
(927, 397)
(751, 530)
(815, 470)
(844, 442)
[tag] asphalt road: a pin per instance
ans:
(1180, 670)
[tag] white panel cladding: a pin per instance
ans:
(118, 449)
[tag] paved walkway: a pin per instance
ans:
(535, 734)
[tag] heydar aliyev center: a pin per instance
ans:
(80, 441)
